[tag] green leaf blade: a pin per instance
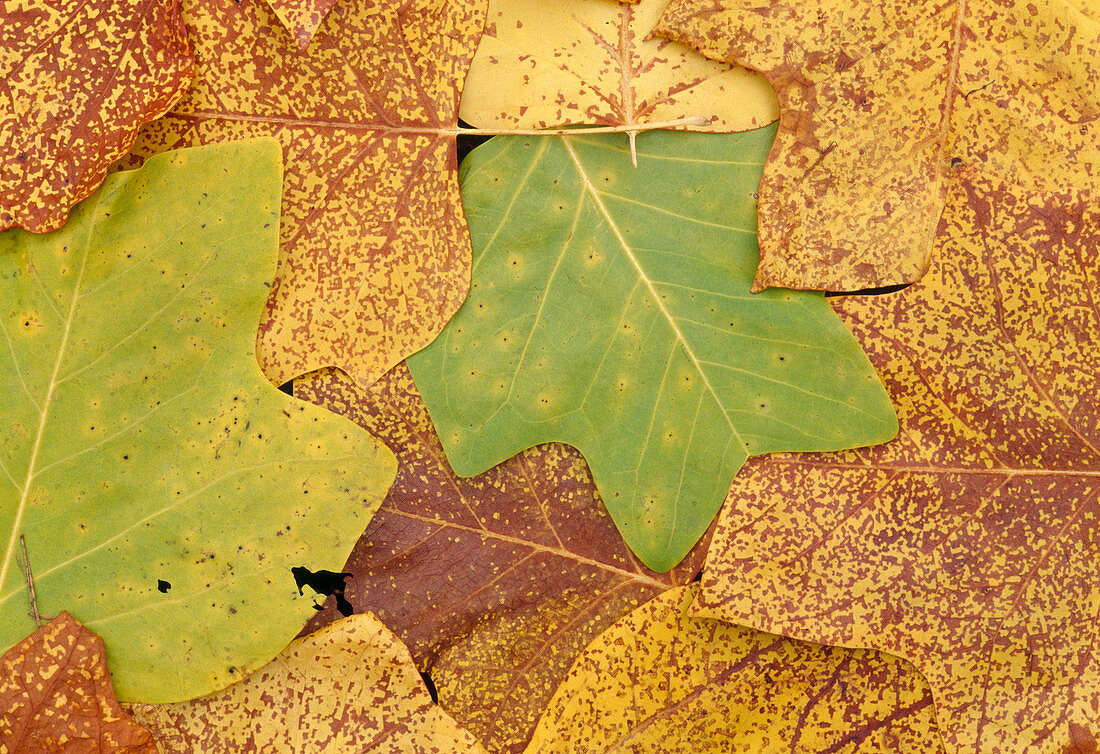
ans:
(142, 442)
(610, 309)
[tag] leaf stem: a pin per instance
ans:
(630, 128)
(30, 582)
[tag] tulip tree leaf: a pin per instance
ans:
(141, 444)
(610, 309)
(56, 695)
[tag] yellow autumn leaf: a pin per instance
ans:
(375, 254)
(351, 687)
(971, 544)
(879, 101)
(571, 62)
(660, 680)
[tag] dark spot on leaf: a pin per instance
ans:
(163, 586)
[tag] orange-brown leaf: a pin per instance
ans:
(301, 17)
(80, 79)
(971, 544)
(56, 695)
(375, 252)
(879, 100)
(496, 582)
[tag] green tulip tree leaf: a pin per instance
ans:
(610, 309)
(163, 487)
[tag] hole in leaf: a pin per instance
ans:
(328, 583)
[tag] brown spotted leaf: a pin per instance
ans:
(301, 17)
(660, 680)
(496, 582)
(375, 253)
(545, 64)
(80, 78)
(347, 689)
(879, 100)
(56, 695)
(971, 544)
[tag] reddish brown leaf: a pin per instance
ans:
(496, 582)
(301, 17)
(56, 695)
(81, 78)
(970, 545)
(376, 256)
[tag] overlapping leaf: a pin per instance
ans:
(80, 79)
(610, 309)
(301, 17)
(375, 250)
(496, 582)
(349, 688)
(879, 100)
(582, 62)
(969, 545)
(56, 695)
(660, 680)
(164, 488)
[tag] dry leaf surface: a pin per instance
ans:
(301, 17)
(879, 100)
(375, 252)
(970, 544)
(495, 582)
(81, 78)
(56, 695)
(347, 689)
(661, 680)
(545, 64)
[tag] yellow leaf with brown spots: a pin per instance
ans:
(879, 100)
(375, 253)
(56, 695)
(971, 544)
(496, 582)
(660, 680)
(349, 688)
(80, 79)
(301, 17)
(589, 62)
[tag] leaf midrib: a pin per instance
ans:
(696, 362)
